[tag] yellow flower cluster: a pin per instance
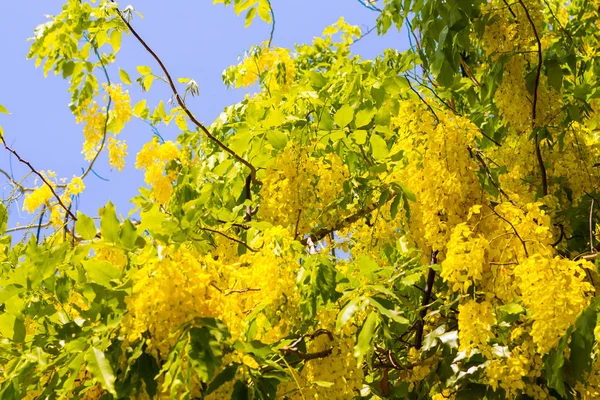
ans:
(299, 189)
(554, 290)
(335, 376)
(274, 66)
(475, 321)
(465, 258)
(97, 126)
(43, 196)
(37, 198)
(122, 111)
(439, 170)
(508, 373)
(509, 29)
(93, 131)
(153, 158)
(178, 285)
(117, 151)
(590, 390)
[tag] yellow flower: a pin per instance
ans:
(38, 197)
(76, 186)
(117, 150)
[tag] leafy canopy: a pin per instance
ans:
(421, 225)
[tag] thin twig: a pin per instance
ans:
(109, 104)
(248, 194)
(242, 291)
(437, 120)
(538, 151)
(510, 9)
(228, 237)
(513, 228)
(425, 302)
(272, 23)
(21, 160)
(27, 227)
(39, 227)
(592, 249)
(179, 100)
(321, 233)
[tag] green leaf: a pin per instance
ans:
(9, 291)
(363, 117)
(99, 367)
(144, 69)
(250, 16)
(109, 224)
(512, 308)
(115, 40)
(124, 76)
(348, 311)
(147, 82)
(3, 218)
(582, 341)
(128, 234)
(3, 110)
(359, 136)
(228, 374)
(394, 315)
(379, 147)
(365, 337)
(277, 139)
(264, 11)
(12, 327)
(85, 226)
(554, 366)
(344, 116)
(140, 109)
(101, 272)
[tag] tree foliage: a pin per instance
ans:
(421, 225)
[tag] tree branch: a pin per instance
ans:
(538, 151)
(425, 302)
(60, 202)
(179, 100)
(321, 233)
(272, 24)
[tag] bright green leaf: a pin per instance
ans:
(100, 368)
(101, 272)
(277, 139)
(144, 70)
(85, 226)
(124, 76)
(109, 223)
(379, 147)
(344, 116)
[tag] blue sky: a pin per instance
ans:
(195, 39)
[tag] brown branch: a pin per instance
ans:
(321, 233)
(230, 292)
(425, 302)
(538, 151)
(228, 237)
(27, 227)
(513, 228)
(248, 194)
(510, 9)
(181, 103)
(437, 120)
(475, 153)
(105, 128)
(60, 202)
(468, 71)
(592, 249)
